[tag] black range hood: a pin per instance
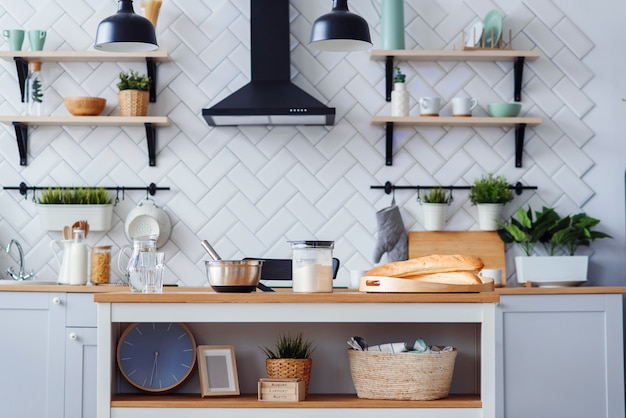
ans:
(270, 98)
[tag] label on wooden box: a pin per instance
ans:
(281, 390)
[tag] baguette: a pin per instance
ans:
(427, 265)
(453, 277)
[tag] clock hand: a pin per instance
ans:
(154, 367)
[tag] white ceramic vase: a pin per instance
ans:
(399, 100)
(435, 216)
(489, 214)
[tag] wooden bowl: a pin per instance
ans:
(85, 105)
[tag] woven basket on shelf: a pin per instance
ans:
(402, 376)
(133, 102)
(284, 368)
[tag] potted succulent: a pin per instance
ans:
(435, 204)
(290, 358)
(489, 194)
(560, 238)
(133, 93)
(399, 95)
(59, 207)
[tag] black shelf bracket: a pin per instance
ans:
(388, 77)
(21, 135)
(22, 72)
(518, 71)
(389, 143)
(520, 129)
(151, 140)
(152, 73)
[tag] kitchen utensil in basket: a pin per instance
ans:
(401, 376)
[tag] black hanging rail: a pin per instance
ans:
(388, 187)
(150, 189)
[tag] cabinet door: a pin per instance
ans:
(560, 356)
(80, 373)
(32, 325)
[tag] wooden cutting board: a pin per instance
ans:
(485, 245)
(383, 284)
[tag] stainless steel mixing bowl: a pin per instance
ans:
(237, 276)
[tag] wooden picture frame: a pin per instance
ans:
(218, 370)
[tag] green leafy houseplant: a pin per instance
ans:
(437, 195)
(551, 230)
(75, 196)
(490, 189)
(290, 347)
(399, 77)
(131, 80)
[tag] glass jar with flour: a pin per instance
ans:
(312, 266)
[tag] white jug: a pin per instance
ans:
(64, 266)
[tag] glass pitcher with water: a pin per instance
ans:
(132, 270)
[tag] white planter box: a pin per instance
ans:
(55, 217)
(552, 271)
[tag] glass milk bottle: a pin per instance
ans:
(78, 259)
(312, 266)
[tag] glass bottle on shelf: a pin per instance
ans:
(33, 90)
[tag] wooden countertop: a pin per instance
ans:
(576, 290)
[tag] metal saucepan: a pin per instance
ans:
(235, 276)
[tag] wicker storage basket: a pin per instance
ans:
(283, 368)
(133, 102)
(402, 376)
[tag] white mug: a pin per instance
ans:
(462, 106)
(430, 106)
(495, 274)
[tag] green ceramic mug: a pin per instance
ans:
(15, 37)
(36, 38)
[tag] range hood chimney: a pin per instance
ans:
(270, 98)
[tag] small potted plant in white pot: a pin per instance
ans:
(489, 194)
(134, 95)
(399, 95)
(435, 204)
(557, 236)
(61, 207)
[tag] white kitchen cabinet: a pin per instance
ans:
(560, 356)
(46, 373)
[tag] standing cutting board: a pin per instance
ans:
(485, 245)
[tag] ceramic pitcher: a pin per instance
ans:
(64, 266)
(391, 24)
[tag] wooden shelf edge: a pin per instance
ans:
(313, 401)
(452, 121)
(455, 55)
(87, 120)
(50, 56)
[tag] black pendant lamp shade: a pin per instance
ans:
(125, 31)
(340, 30)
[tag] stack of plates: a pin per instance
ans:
(490, 29)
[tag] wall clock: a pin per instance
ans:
(156, 356)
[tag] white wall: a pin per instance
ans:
(249, 190)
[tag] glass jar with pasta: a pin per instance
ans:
(100, 264)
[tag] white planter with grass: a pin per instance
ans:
(54, 217)
(435, 215)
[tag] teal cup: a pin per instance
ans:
(36, 38)
(15, 37)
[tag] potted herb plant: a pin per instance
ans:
(435, 204)
(489, 194)
(560, 239)
(59, 207)
(290, 358)
(133, 93)
(399, 95)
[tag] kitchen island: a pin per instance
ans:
(325, 311)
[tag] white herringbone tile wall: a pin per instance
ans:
(249, 190)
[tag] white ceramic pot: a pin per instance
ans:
(435, 216)
(553, 271)
(489, 214)
(55, 217)
(399, 100)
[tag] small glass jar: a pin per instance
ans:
(312, 266)
(100, 264)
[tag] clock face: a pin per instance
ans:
(156, 356)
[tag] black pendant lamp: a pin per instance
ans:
(125, 31)
(340, 30)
